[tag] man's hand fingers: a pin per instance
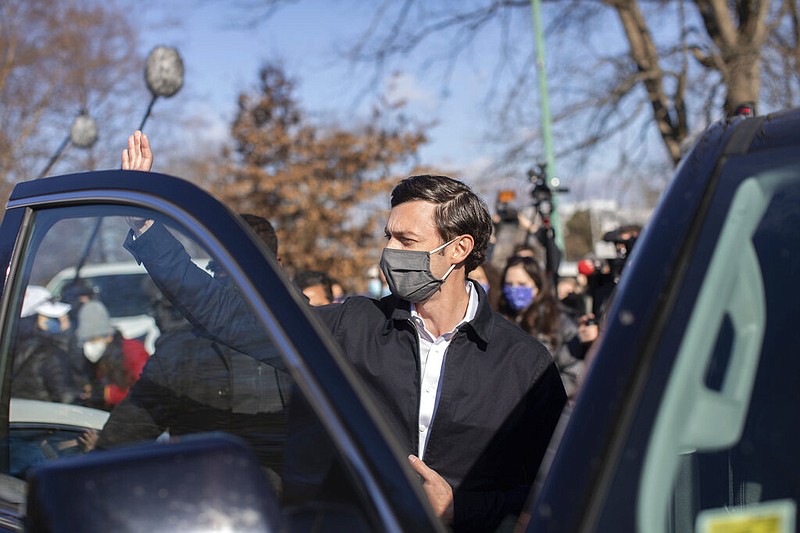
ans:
(420, 467)
(438, 491)
(139, 155)
(147, 153)
(129, 155)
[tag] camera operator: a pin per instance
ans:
(623, 238)
(603, 276)
(540, 228)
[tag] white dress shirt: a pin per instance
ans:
(432, 352)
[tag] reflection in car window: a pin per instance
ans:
(122, 295)
(203, 375)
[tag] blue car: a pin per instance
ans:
(688, 418)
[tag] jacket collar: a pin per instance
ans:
(481, 325)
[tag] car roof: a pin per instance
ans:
(23, 411)
(108, 269)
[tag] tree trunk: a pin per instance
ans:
(739, 32)
(671, 124)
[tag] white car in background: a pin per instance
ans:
(119, 286)
(40, 431)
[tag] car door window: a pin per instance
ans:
(215, 365)
(715, 448)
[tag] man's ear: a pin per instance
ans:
(463, 247)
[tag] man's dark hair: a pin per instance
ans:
(459, 211)
(310, 278)
(263, 229)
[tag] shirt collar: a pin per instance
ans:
(472, 311)
(479, 330)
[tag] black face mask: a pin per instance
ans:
(408, 273)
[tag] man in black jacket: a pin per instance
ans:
(188, 386)
(472, 398)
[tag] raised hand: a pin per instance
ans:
(138, 155)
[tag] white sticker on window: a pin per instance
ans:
(770, 517)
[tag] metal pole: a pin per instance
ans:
(55, 157)
(147, 113)
(547, 137)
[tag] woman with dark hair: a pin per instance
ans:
(528, 300)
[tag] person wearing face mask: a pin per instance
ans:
(41, 367)
(376, 285)
(114, 362)
(470, 397)
(487, 277)
(528, 300)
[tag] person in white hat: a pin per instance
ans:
(41, 366)
(52, 314)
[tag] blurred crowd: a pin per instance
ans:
(68, 351)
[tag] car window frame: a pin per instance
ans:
(683, 290)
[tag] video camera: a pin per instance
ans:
(541, 192)
(541, 196)
(623, 239)
(505, 211)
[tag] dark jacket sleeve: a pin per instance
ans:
(213, 307)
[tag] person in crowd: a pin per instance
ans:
(540, 243)
(526, 250)
(338, 291)
(316, 286)
(488, 277)
(77, 293)
(528, 300)
(473, 399)
(570, 297)
(114, 361)
(573, 304)
(376, 283)
(604, 275)
(265, 231)
(41, 366)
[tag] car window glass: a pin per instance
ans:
(723, 445)
(84, 314)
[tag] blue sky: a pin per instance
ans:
(222, 57)
(222, 54)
